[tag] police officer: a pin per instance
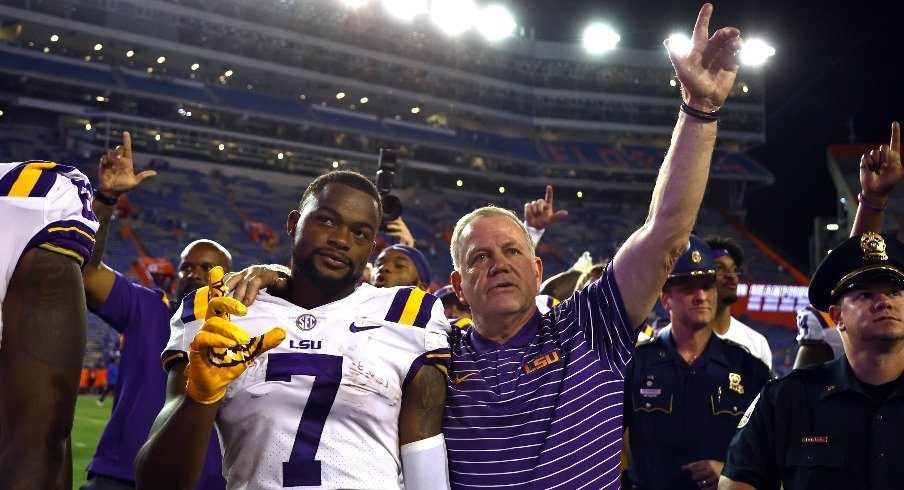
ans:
(687, 389)
(838, 424)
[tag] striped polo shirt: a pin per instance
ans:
(543, 410)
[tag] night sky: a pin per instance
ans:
(834, 62)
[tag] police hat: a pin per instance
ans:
(695, 261)
(859, 261)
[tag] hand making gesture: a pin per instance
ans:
(116, 173)
(707, 73)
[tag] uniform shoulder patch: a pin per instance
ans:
(749, 412)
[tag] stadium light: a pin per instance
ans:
(98, 47)
(680, 44)
(54, 38)
(130, 53)
(161, 60)
(599, 38)
(502, 190)
(832, 227)
(195, 66)
(495, 23)
(364, 100)
(756, 52)
(415, 110)
(406, 9)
(459, 183)
(340, 95)
(453, 16)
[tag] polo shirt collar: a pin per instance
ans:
(524, 337)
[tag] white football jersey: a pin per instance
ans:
(46, 205)
(322, 408)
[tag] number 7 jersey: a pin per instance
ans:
(322, 408)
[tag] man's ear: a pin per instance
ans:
(455, 279)
(292, 222)
(664, 299)
(835, 315)
(538, 270)
(422, 286)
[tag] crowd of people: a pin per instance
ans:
(337, 374)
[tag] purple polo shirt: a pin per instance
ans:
(141, 316)
(543, 410)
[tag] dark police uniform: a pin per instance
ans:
(679, 413)
(820, 427)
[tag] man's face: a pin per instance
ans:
(195, 266)
(333, 237)
(691, 302)
(453, 309)
(871, 315)
(726, 280)
(395, 268)
(499, 275)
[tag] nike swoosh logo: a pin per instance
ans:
(459, 379)
(355, 329)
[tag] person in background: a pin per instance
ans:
(141, 316)
(687, 382)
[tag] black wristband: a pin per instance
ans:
(705, 116)
(105, 199)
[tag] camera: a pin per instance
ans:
(392, 206)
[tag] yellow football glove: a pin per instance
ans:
(221, 351)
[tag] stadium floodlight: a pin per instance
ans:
(406, 9)
(453, 16)
(161, 60)
(459, 183)
(130, 53)
(832, 227)
(54, 38)
(599, 38)
(680, 44)
(195, 66)
(756, 52)
(495, 23)
(415, 110)
(340, 95)
(501, 190)
(98, 47)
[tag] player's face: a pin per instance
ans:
(195, 266)
(726, 280)
(691, 302)
(334, 237)
(394, 268)
(499, 275)
(873, 314)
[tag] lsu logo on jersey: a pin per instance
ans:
(542, 361)
(305, 344)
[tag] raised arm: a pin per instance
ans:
(707, 74)
(115, 176)
(880, 173)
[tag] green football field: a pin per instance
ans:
(90, 421)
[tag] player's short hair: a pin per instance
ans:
(727, 243)
(213, 244)
(484, 212)
(348, 178)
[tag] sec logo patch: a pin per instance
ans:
(306, 322)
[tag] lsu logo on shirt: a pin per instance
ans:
(542, 361)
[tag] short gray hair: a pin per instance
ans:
(484, 212)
